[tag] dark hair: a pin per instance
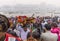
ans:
(48, 26)
(4, 22)
(13, 27)
(24, 25)
(12, 33)
(3, 26)
(54, 24)
(29, 34)
(36, 35)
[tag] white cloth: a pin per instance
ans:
(43, 24)
(48, 36)
(24, 34)
(17, 32)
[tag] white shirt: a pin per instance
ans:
(24, 34)
(48, 36)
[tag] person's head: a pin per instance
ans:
(25, 27)
(54, 25)
(47, 27)
(30, 37)
(49, 21)
(36, 35)
(4, 24)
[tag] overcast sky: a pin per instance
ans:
(14, 2)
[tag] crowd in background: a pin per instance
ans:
(35, 29)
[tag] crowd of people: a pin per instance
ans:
(23, 28)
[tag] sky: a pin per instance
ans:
(14, 2)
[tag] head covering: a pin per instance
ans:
(4, 23)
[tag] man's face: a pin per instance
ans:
(25, 28)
